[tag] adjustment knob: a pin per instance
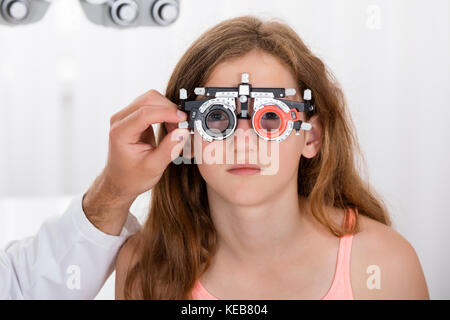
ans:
(168, 12)
(15, 11)
(127, 13)
(307, 95)
(124, 12)
(18, 10)
(165, 12)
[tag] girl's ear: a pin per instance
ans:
(313, 138)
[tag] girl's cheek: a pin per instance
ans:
(220, 153)
(290, 151)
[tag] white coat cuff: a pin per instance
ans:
(90, 232)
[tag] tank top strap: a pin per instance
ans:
(345, 243)
(341, 287)
(350, 218)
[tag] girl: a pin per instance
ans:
(313, 230)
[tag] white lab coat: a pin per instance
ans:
(69, 258)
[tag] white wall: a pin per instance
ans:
(62, 78)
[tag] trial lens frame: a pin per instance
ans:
(224, 98)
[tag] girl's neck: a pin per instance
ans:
(263, 231)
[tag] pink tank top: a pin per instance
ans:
(341, 287)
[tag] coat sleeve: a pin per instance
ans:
(68, 258)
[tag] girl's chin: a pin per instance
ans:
(245, 199)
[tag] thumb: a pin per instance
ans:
(170, 147)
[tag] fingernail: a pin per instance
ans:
(181, 114)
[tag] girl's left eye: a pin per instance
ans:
(270, 121)
(270, 116)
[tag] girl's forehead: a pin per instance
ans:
(258, 79)
(265, 71)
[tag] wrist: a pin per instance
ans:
(105, 207)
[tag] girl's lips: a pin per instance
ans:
(244, 170)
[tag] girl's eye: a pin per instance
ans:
(217, 116)
(217, 120)
(270, 121)
(270, 116)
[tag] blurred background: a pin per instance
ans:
(63, 77)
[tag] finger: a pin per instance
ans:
(131, 128)
(151, 97)
(168, 149)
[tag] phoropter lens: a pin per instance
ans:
(270, 121)
(217, 120)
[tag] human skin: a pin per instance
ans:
(269, 244)
(135, 163)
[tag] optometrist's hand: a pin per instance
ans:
(135, 163)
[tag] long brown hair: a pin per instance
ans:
(177, 242)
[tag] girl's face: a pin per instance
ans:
(278, 161)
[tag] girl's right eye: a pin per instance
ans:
(217, 120)
(216, 116)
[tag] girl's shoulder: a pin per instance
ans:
(384, 265)
(126, 260)
(128, 253)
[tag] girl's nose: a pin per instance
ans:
(245, 138)
(244, 124)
